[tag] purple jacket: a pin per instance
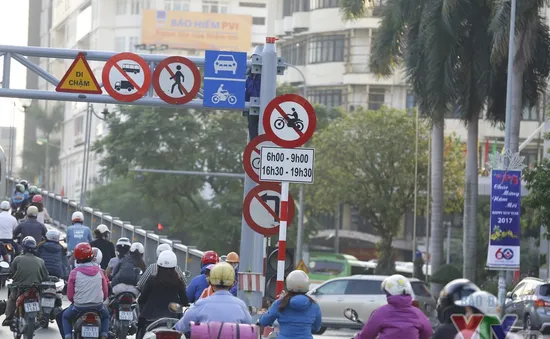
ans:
(397, 320)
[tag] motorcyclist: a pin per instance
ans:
(127, 273)
(31, 227)
(8, 223)
(101, 241)
(33, 190)
(43, 215)
(152, 269)
(25, 184)
(159, 291)
(87, 289)
(209, 290)
(54, 255)
(399, 318)
(98, 256)
(233, 260)
(199, 283)
(122, 247)
(78, 233)
(25, 270)
(18, 200)
(222, 306)
(452, 292)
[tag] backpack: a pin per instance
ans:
(126, 273)
(217, 330)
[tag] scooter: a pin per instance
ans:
(4, 273)
(162, 328)
(352, 315)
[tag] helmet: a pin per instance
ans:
(25, 184)
(77, 216)
(33, 190)
(5, 205)
(137, 246)
(209, 267)
(123, 242)
(167, 259)
(452, 292)
(83, 251)
(209, 257)
(297, 281)
(482, 301)
(232, 257)
(397, 285)
(222, 274)
(37, 198)
(29, 244)
(32, 211)
(102, 229)
(223, 258)
(98, 255)
(53, 235)
(19, 188)
(163, 247)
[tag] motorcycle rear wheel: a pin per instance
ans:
(29, 330)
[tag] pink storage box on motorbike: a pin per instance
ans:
(217, 330)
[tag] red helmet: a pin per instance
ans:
(37, 198)
(209, 257)
(83, 251)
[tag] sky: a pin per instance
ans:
(14, 25)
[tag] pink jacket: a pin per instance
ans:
(87, 285)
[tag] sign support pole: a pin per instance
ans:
(281, 254)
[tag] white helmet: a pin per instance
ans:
(77, 216)
(163, 247)
(483, 301)
(137, 246)
(297, 281)
(5, 205)
(102, 229)
(98, 255)
(167, 259)
(53, 235)
(123, 242)
(397, 285)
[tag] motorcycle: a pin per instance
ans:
(50, 301)
(28, 307)
(225, 96)
(162, 328)
(87, 325)
(124, 315)
(4, 273)
(352, 315)
(11, 251)
(19, 213)
(280, 123)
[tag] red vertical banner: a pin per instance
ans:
(486, 158)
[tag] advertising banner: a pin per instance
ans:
(197, 30)
(504, 232)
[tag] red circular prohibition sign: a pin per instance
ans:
(255, 194)
(141, 90)
(247, 156)
(188, 95)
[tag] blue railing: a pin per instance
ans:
(61, 208)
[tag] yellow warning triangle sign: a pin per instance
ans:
(302, 266)
(79, 78)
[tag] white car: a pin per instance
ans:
(225, 63)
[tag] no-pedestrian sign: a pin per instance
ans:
(287, 164)
(289, 120)
(176, 80)
(251, 156)
(261, 209)
(126, 77)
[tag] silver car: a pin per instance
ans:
(530, 302)
(363, 294)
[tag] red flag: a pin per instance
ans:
(62, 193)
(160, 227)
(486, 152)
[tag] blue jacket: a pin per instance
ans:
(235, 287)
(19, 199)
(220, 306)
(126, 272)
(54, 258)
(76, 234)
(297, 320)
(196, 286)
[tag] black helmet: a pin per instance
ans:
(25, 183)
(29, 244)
(453, 291)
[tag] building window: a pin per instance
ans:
(79, 126)
(258, 21)
(120, 44)
(328, 97)
(294, 53)
(176, 5)
(376, 98)
(121, 7)
(410, 102)
(135, 7)
(530, 114)
(134, 40)
(531, 157)
(287, 8)
(329, 48)
(251, 4)
(215, 6)
(317, 4)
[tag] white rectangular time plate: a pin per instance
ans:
(287, 164)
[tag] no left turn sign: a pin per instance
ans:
(251, 156)
(289, 120)
(176, 80)
(126, 77)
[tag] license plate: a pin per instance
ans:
(124, 315)
(90, 331)
(32, 307)
(47, 302)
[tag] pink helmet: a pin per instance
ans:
(37, 198)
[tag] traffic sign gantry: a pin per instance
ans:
(176, 80)
(251, 156)
(224, 79)
(261, 209)
(289, 120)
(79, 78)
(126, 77)
(287, 164)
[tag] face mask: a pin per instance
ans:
(235, 265)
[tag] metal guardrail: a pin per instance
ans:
(61, 208)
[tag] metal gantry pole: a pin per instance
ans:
(415, 206)
(428, 197)
(84, 159)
